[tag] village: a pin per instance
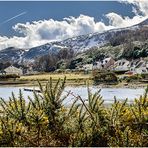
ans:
(74, 73)
(122, 66)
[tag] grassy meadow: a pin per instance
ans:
(80, 78)
(72, 78)
(56, 76)
(76, 79)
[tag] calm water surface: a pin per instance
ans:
(107, 93)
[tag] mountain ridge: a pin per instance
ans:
(78, 44)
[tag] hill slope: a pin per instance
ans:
(78, 44)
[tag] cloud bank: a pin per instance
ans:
(40, 32)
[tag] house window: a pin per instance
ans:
(143, 70)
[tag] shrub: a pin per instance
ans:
(144, 75)
(104, 77)
(46, 121)
(73, 63)
(133, 78)
(9, 76)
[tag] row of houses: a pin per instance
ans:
(138, 66)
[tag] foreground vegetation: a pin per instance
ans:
(45, 121)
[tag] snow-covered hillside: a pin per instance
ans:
(77, 44)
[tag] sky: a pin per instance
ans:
(26, 24)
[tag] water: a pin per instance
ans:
(107, 93)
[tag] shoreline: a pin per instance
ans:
(132, 85)
(72, 79)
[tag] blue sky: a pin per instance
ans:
(37, 10)
(26, 24)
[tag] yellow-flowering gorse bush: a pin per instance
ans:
(46, 121)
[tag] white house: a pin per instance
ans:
(122, 65)
(107, 63)
(97, 65)
(139, 66)
(13, 70)
(87, 67)
(141, 70)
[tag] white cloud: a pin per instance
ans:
(139, 6)
(142, 5)
(11, 42)
(43, 31)
(120, 22)
(57, 30)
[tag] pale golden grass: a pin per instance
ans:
(47, 76)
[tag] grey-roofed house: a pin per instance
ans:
(13, 70)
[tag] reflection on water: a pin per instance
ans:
(107, 93)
